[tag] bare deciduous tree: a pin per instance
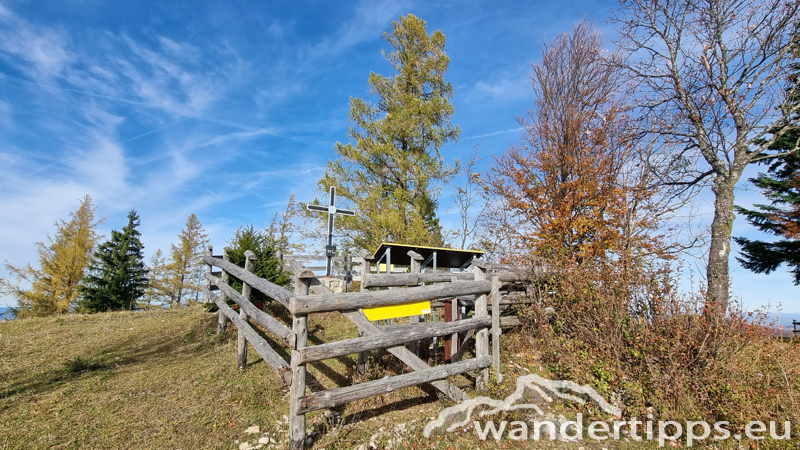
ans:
(713, 75)
(470, 198)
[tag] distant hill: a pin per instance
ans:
(5, 313)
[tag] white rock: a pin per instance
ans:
(361, 447)
(265, 440)
(244, 446)
(253, 430)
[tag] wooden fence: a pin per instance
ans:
(479, 286)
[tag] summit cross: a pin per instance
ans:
(332, 210)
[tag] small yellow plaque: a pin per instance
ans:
(394, 311)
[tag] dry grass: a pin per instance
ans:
(164, 379)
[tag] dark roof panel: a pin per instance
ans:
(446, 258)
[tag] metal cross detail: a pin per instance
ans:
(332, 210)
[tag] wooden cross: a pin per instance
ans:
(332, 210)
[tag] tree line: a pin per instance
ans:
(78, 273)
(619, 142)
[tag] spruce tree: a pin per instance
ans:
(267, 265)
(392, 171)
(117, 276)
(781, 185)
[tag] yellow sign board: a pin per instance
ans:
(394, 311)
(382, 267)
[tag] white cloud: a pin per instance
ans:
(497, 133)
(43, 50)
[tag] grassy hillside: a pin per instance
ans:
(166, 380)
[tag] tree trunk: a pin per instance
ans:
(719, 252)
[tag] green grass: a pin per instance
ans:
(166, 380)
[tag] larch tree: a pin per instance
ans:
(283, 228)
(711, 74)
(186, 264)
(116, 277)
(53, 287)
(392, 172)
(158, 286)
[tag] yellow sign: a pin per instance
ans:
(382, 268)
(394, 311)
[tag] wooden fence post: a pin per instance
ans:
(496, 328)
(452, 341)
(482, 337)
(297, 422)
(348, 272)
(249, 257)
(222, 319)
(209, 252)
(415, 263)
(363, 357)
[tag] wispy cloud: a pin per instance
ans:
(40, 51)
(496, 133)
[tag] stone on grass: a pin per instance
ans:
(252, 430)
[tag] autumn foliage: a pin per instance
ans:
(573, 185)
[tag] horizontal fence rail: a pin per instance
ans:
(278, 364)
(450, 289)
(413, 333)
(268, 322)
(338, 396)
(272, 290)
(306, 304)
(414, 279)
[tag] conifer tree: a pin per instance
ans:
(54, 285)
(186, 265)
(392, 171)
(157, 291)
(781, 185)
(117, 277)
(267, 265)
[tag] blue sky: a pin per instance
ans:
(224, 109)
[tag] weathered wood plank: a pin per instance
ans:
(300, 271)
(278, 365)
(403, 354)
(453, 342)
(306, 304)
(415, 279)
(367, 328)
(482, 337)
(383, 340)
(209, 252)
(269, 323)
(338, 259)
(249, 257)
(222, 319)
(297, 390)
(338, 396)
(279, 293)
(496, 328)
